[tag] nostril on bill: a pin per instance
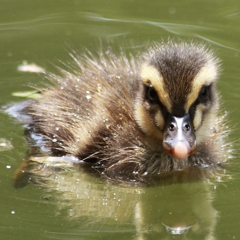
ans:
(172, 127)
(186, 127)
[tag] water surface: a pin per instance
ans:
(80, 206)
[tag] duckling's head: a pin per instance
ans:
(178, 100)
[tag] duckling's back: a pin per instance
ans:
(88, 112)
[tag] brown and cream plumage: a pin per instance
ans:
(134, 116)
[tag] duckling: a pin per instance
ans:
(131, 117)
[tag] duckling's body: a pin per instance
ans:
(119, 114)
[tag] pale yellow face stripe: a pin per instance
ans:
(204, 78)
(151, 76)
(198, 116)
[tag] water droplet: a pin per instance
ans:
(88, 97)
(8, 166)
(99, 87)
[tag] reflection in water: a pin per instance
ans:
(175, 28)
(216, 43)
(166, 211)
(179, 209)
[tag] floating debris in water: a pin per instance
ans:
(5, 145)
(46, 198)
(27, 94)
(32, 67)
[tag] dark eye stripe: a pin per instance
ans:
(204, 95)
(151, 95)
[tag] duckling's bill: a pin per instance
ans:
(179, 137)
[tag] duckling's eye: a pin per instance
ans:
(152, 94)
(204, 94)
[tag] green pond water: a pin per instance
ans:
(76, 205)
